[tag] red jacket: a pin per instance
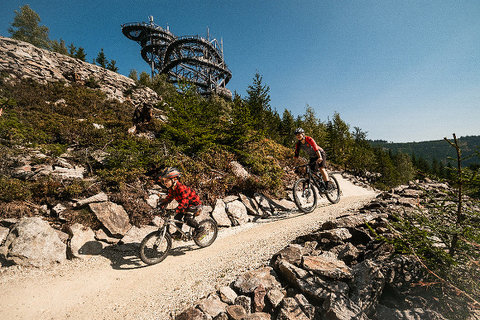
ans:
(310, 147)
(185, 197)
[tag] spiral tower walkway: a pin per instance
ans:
(191, 58)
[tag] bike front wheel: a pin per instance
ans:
(305, 195)
(206, 234)
(333, 190)
(155, 247)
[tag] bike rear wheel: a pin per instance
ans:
(155, 247)
(333, 190)
(208, 235)
(305, 195)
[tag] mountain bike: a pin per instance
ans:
(156, 246)
(304, 190)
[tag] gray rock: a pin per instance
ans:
(367, 285)
(99, 197)
(236, 312)
(83, 242)
(249, 281)
(3, 234)
(291, 310)
(32, 242)
(152, 200)
(237, 212)
(231, 198)
(257, 316)
(238, 170)
(135, 235)
(227, 294)
(275, 296)
(101, 235)
(327, 266)
(338, 234)
(192, 314)
(212, 306)
(292, 253)
(219, 214)
(112, 216)
(251, 205)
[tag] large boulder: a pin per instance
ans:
(112, 216)
(32, 242)
(237, 212)
(219, 214)
(82, 242)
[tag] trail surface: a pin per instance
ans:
(120, 286)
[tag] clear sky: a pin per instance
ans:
(400, 70)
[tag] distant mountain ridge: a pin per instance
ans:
(439, 150)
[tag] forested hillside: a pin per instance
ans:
(437, 150)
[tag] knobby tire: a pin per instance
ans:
(150, 255)
(299, 193)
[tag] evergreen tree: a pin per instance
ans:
(112, 66)
(144, 79)
(59, 47)
(72, 50)
(339, 140)
(80, 54)
(258, 101)
(25, 27)
(287, 128)
(101, 59)
(133, 75)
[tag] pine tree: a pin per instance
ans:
(80, 54)
(258, 101)
(101, 59)
(25, 27)
(133, 75)
(112, 66)
(59, 47)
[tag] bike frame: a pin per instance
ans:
(169, 221)
(313, 177)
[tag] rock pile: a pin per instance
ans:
(21, 60)
(341, 271)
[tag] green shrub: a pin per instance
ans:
(13, 189)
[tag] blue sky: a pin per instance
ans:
(400, 70)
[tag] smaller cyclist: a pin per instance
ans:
(315, 153)
(189, 203)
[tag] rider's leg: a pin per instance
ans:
(322, 166)
(190, 220)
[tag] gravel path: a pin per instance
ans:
(120, 286)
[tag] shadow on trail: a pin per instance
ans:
(123, 257)
(126, 256)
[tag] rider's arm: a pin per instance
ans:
(297, 150)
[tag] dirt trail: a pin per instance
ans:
(119, 286)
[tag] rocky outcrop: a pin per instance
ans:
(32, 242)
(21, 60)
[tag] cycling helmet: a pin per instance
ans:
(299, 130)
(169, 173)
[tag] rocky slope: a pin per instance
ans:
(21, 60)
